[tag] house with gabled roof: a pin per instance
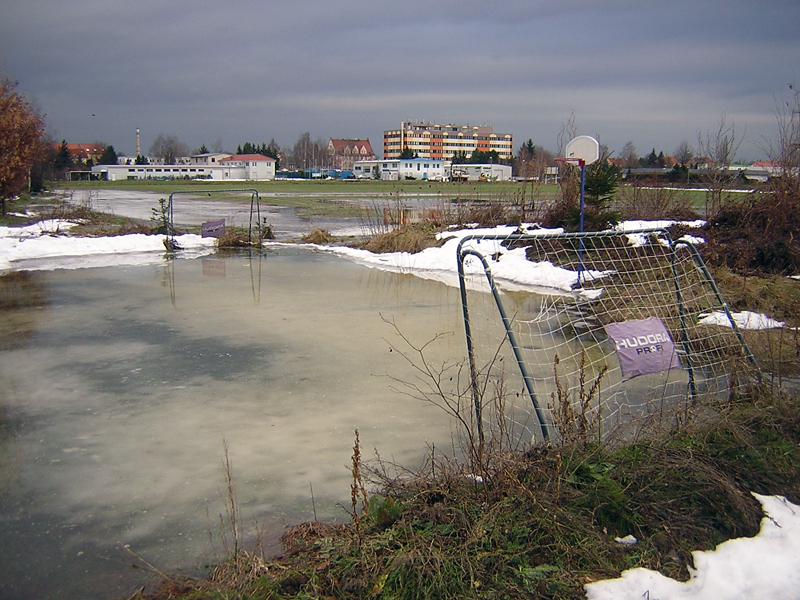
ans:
(83, 152)
(344, 152)
(251, 167)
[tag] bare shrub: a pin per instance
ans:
(718, 147)
(652, 203)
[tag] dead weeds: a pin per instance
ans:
(411, 238)
(545, 521)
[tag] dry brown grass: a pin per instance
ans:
(318, 236)
(410, 238)
(234, 238)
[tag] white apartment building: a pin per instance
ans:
(431, 140)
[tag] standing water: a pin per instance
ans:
(120, 386)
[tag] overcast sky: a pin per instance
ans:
(654, 73)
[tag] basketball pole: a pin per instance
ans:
(582, 150)
(582, 164)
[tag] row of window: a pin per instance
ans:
(435, 165)
(180, 170)
(153, 170)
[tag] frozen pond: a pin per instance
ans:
(119, 384)
(195, 208)
(192, 210)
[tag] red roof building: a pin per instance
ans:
(345, 152)
(83, 152)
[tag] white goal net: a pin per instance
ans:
(611, 331)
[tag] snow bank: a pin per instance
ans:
(40, 247)
(766, 566)
(510, 268)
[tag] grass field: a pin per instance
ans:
(308, 195)
(309, 186)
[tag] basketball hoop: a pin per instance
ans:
(581, 151)
(584, 149)
(578, 162)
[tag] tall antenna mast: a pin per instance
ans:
(138, 143)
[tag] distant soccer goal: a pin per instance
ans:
(610, 329)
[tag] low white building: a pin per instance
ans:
(223, 167)
(480, 172)
(395, 169)
(254, 167)
(209, 158)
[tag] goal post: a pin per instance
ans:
(633, 324)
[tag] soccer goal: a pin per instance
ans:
(609, 330)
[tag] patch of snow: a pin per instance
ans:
(693, 239)
(628, 540)
(766, 566)
(38, 247)
(640, 239)
(744, 320)
(510, 268)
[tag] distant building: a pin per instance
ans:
(430, 140)
(209, 158)
(479, 172)
(83, 152)
(428, 169)
(400, 168)
(216, 167)
(344, 152)
(253, 167)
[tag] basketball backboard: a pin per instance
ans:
(583, 147)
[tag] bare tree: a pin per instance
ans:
(168, 148)
(717, 148)
(308, 154)
(301, 152)
(786, 156)
(684, 153)
(629, 156)
(567, 133)
(568, 176)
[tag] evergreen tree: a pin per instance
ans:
(651, 160)
(63, 160)
(408, 153)
(483, 157)
(109, 156)
(141, 160)
(602, 179)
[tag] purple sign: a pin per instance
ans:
(643, 346)
(213, 228)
